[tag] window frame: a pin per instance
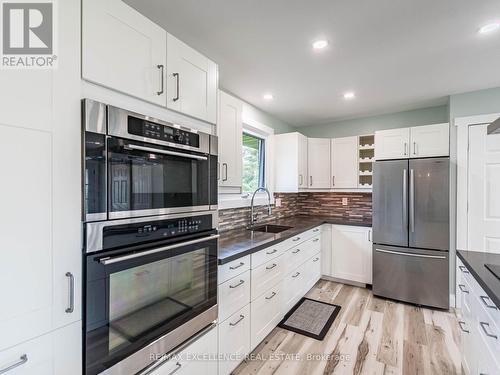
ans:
(262, 160)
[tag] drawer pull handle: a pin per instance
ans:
(271, 266)
(483, 326)
(177, 368)
(296, 275)
(271, 252)
(238, 321)
(315, 259)
(236, 267)
(296, 251)
(237, 285)
(485, 301)
(296, 239)
(316, 240)
(316, 230)
(461, 325)
(22, 360)
(462, 288)
(463, 269)
(271, 296)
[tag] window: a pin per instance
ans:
(253, 163)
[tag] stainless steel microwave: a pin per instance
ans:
(137, 166)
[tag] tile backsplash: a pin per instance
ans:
(358, 208)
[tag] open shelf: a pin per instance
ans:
(366, 155)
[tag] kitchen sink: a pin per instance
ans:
(269, 228)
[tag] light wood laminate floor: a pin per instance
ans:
(370, 336)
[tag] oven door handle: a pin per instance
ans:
(164, 152)
(111, 260)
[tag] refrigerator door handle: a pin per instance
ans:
(405, 198)
(412, 200)
(410, 255)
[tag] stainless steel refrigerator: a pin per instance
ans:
(411, 231)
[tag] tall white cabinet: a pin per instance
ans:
(344, 162)
(318, 163)
(230, 132)
(191, 81)
(123, 50)
(291, 162)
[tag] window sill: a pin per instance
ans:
(242, 200)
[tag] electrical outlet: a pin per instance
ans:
(277, 202)
(344, 202)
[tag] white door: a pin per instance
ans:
(392, 144)
(302, 161)
(318, 163)
(26, 242)
(344, 163)
(352, 253)
(123, 50)
(430, 140)
(229, 131)
(483, 190)
(191, 81)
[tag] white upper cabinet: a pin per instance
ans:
(290, 162)
(352, 253)
(344, 163)
(430, 140)
(192, 81)
(417, 142)
(392, 144)
(318, 163)
(229, 131)
(123, 50)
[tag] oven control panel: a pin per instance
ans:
(126, 234)
(162, 132)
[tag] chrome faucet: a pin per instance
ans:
(252, 216)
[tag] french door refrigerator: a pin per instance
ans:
(411, 231)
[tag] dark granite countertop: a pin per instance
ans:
(237, 243)
(475, 262)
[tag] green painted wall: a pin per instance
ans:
(368, 125)
(475, 103)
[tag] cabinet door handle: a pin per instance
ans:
(369, 235)
(271, 296)
(271, 266)
(462, 288)
(162, 73)
(463, 269)
(461, 325)
(271, 252)
(224, 165)
(316, 230)
(405, 148)
(310, 180)
(315, 259)
(333, 180)
(177, 78)
(22, 360)
(301, 180)
(296, 275)
(177, 368)
(296, 251)
(71, 292)
(414, 148)
(238, 321)
(485, 301)
(237, 285)
(296, 239)
(236, 267)
(483, 326)
(316, 240)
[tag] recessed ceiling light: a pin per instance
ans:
(268, 97)
(349, 95)
(320, 44)
(489, 28)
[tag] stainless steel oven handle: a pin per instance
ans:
(111, 260)
(164, 152)
(411, 255)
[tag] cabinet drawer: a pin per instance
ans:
(34, 357)
(300, 253)
(489, 333)
(266, 276)
(232, 269)
(266, 255)
(234, 340)
(313, 272)
(197, 358)
(266, 313)
(293, 287)
(233, 295)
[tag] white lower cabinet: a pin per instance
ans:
(233, 295)
(234, 340)
(352, 253)
(267, 275)
(266, 312)
(55, 353)
(293, 287)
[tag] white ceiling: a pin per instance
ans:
(395, 54)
